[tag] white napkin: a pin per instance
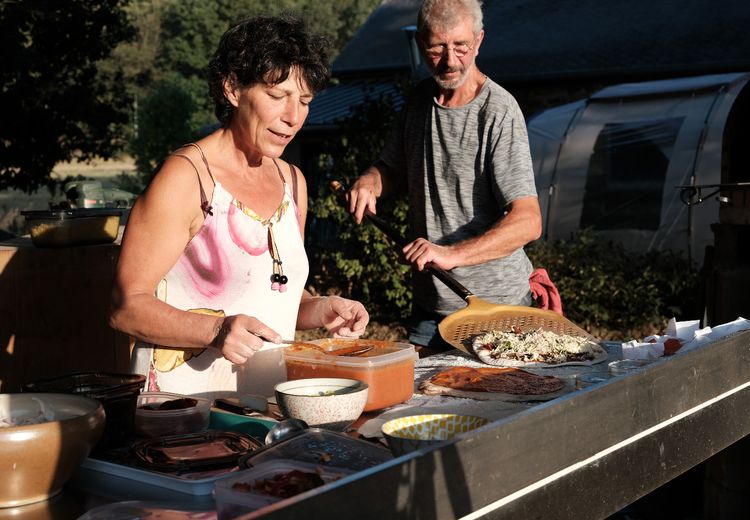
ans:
(644, 349)
(688, 332)
(708, 334)
(682, 330)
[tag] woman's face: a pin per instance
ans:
(269, 116)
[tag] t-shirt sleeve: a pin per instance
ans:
(510, 160)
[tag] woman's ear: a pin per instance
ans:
(231, 91)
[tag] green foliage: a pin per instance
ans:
(337, 20)
(358, 261)
(137, 57)
(176, 39)
(164, 125)
(617, 294)
(56, 103)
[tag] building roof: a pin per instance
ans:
(531, 40)
(335, 103)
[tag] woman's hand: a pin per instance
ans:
(344, 318)
(239, 337)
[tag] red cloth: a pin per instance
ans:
(544, 291)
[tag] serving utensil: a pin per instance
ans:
(304, 344)
(284, 429)
(459, 328)
(350, 351)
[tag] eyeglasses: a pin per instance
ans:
(439, 50)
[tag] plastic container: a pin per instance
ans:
(118, 394)
(590, 379)
(627, 366)
(198, 455)
(388, 369)
(144, 509)
(72, 227)
(185, 419)
(321, 447)
(240, 492)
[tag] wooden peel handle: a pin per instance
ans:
(387, 229)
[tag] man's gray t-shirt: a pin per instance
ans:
(464, 165)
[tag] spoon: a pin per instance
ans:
(341, 352)
(304, 344)
(283, 429)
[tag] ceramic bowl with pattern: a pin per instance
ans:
(414, 432)
(43, 439)
(330, 403)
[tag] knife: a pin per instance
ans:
(245, 405)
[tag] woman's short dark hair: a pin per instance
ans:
(265, 49)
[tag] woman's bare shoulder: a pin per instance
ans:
(292, 172)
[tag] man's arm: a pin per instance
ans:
(521, 225)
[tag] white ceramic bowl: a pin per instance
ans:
(414, 432)
(329, 403)
(37, 458)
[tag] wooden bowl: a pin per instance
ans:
(37, 459)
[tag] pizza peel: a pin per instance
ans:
(459, 328)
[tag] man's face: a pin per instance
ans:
(450, 52)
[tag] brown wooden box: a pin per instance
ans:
(53, 312)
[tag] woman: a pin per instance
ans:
(212, 268)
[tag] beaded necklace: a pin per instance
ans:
(278, 278)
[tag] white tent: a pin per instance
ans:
(614, 162)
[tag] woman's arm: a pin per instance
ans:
(160, 225)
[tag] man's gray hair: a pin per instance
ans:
(441, 14)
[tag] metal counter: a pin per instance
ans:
(584, 455)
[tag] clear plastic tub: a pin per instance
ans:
(627, 366)
(388, 369)
(243, 492)
(322, 447)
(179, 421)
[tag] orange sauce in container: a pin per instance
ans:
(388, 368)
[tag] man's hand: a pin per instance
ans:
(364, 194)
(422, 251)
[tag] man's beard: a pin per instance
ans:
(450, 84)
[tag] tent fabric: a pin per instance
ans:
(615, 163)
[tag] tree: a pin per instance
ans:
(164, 117)
(175, 42)
(56, 104)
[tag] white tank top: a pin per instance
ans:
(226, 269)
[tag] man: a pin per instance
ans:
(461, 144)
